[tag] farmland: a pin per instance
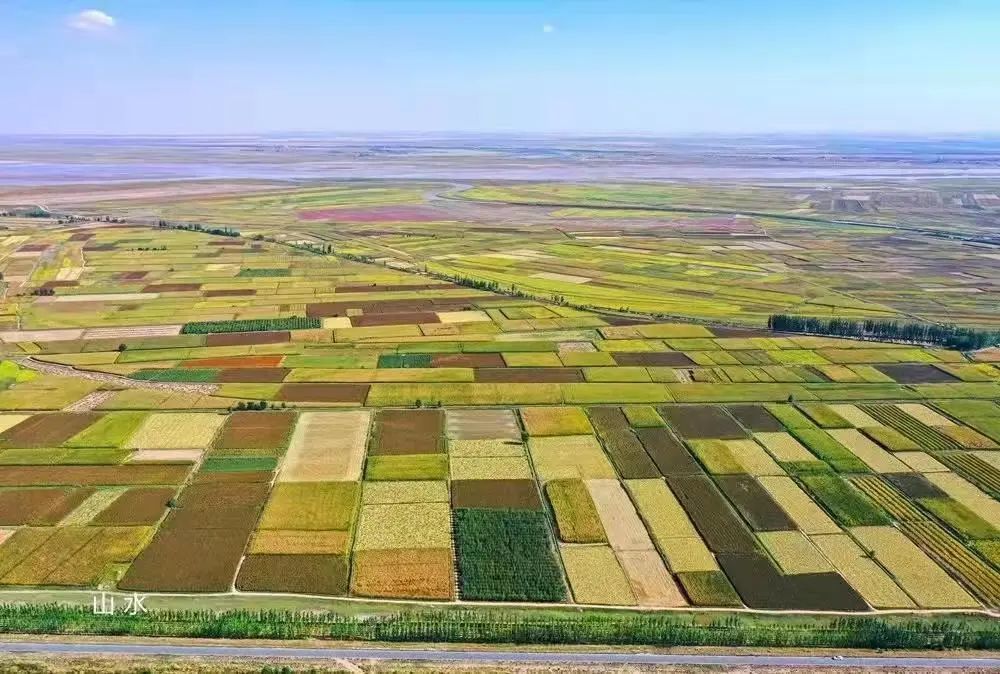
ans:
(351, 400)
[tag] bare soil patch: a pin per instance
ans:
(512, 494)
(408, 432)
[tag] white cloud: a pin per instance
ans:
(548, 28)
(91, 21)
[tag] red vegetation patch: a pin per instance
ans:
(226, 242)
(324, 393)
(255, 430)
(81, 236)
(246, 338)
(376, 214)
(412, 318)
(132, 275)
(235, 361)
(232, 476)
(218, 506)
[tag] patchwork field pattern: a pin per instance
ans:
(275, 418)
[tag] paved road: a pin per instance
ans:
(518, 657)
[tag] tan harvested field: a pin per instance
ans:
(327, 447)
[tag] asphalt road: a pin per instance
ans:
(490, 656)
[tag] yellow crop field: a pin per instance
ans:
(784, 447)
(808, 516)
(404, 491)
(570, 456)
(595, 575)
(490, 468)
(925, 415)
(793, 552)
(874, 456)
(968, 495)
(752, 458)
(651, 583)
(547, 421)
(864, 575)
(176, 430)
(854, 415)
(404, 525)
(915, 572)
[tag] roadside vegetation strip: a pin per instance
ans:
(251, 325)
(513, 626)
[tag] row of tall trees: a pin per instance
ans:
(509, 627)
(951, 336)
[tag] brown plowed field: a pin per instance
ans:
(142, 506)
(408, 432)
(129, 474)
(645, 359)
(39, 507)
(702, 421)
(512, 494)
(255, 430)
(47, 430)
(305, 574)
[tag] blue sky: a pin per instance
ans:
(661, 66)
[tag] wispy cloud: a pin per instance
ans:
(548, 28)
(91, 21)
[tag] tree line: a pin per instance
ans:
(950, 336)
(513, 627)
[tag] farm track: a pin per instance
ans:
(89, 402)
(113, 379)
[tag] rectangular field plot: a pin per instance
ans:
(408, 432)
(571, 456)
(327, 447)
(506, 555)
(255, 431)
(408, 573)
(176, 430)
